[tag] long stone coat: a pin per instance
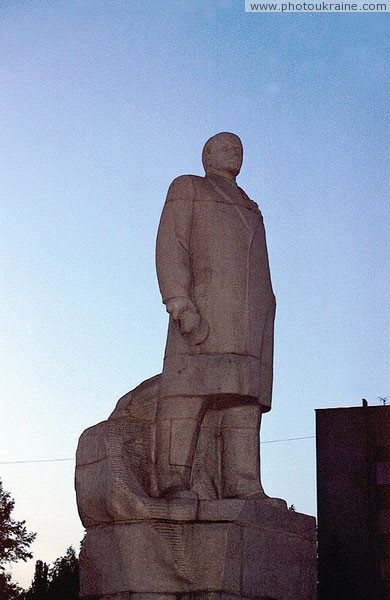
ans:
(211, 249)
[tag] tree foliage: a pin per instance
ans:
(60, 582)
(8, 589)
(39, 585)
(64, 577)
(14, 537)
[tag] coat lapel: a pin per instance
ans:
(229, 200)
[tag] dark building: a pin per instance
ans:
(353, 494)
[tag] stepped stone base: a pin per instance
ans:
(234, 550)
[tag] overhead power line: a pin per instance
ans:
(24, 462)
(307, 437)
(42, 460)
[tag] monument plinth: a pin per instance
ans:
(169, 487)
(137, 543)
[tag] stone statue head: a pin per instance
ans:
(223, 153)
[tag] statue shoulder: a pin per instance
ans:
(251, 203)
(255, 206)
(183, 187)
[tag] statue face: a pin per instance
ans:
(225, 153)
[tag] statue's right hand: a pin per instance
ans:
(176, 306)
(189, 321)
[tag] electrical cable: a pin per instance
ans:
(23, 462)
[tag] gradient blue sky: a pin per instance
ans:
(103, 103)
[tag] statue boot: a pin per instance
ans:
(241, 455)
(240, 452)
(178, 425)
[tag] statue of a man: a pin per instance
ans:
(214, 277)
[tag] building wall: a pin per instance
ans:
(353, 493)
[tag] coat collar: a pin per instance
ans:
(231, 192)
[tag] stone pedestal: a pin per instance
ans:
(141, 547)
(245, 549)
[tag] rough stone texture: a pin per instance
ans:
(139, 544)
(116, 463)
(214, 278)
(211, 258)
(169, 487)
(262, 551)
